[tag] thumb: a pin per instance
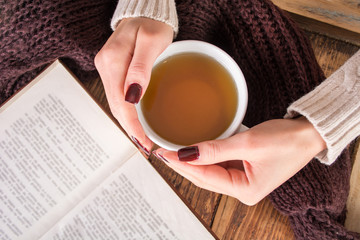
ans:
(136, 82)
(215, 151)
(138, 75)
(139, 71)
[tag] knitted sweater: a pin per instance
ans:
(333, 107)
(275, 57)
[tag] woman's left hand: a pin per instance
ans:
(250, 164)
(124, 64)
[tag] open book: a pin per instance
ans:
(68, 172)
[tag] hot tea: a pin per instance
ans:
(190, 98)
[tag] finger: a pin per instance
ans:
(198, 182)
(232, 182)
(112, 63)
(134, 128)
(139, 71)
(145, 54)
(216, 151)
(114, 58)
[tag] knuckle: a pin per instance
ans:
(98, 61)
(212, 150)
(103, 56)
(137, 70)
(108, 54)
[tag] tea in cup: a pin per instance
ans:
(196, 93)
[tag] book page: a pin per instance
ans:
(134, 203)
(56, 145)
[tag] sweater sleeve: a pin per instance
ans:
(160, 10)
(334, 109)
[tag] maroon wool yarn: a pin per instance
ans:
(274, 54)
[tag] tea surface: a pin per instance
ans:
(190, 98)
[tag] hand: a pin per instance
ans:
(251, 164)
(124, 64)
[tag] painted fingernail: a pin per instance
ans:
(188, 153)
(133, 94)
(138, 144)
(161, 157)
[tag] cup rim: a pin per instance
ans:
(219, 55)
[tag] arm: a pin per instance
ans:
(251, 164)
(334, 109)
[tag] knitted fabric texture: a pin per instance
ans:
(274, 55)
(280, 67)
(35, 33)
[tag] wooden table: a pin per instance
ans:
(226, 216)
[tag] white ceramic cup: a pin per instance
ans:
(194, 46)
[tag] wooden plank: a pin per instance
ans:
(341, 13)
(315, 26)
(235, 220)
(353, 204)
(229, 218)
(203, 202)
(330, 53)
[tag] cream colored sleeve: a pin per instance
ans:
(161, 10)
(334, 109)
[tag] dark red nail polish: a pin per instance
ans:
(138, 144)
(159, 156)
(188, 153)
(133, 94)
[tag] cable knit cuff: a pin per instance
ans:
(334, 109)
(161, 10)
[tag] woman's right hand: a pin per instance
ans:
(124, 64)
(250, 164)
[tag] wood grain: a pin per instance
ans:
(331, 31)
(203, 202)
(330, 53)
(227, 217)
(341, 13)
(235, 220)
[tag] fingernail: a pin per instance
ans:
(188, 153)
(161, 157)
(138, 144)
(133, 94)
